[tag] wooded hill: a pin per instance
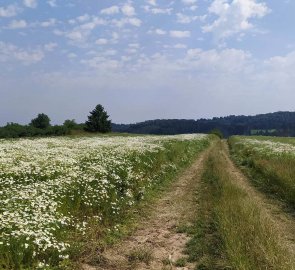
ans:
(274, 124)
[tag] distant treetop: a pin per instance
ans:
(41, 121)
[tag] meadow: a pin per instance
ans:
(65, 201)
(269, 162)
(59, 193)
(234, 228)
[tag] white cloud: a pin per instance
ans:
(176, 46)
(30, 3)
(133, 48)
(91, 25)
(135, 22)
(224, 61)
(72, 55)
(80, 34)
(162, 10)
(50, 46)
(132, 21)
(110, 52)
(72, 21)
(83, 18)
(160, 31)
(278, 73)
(101, 62)
(185, 19)
(101, 41)
(9, 11)
(10, 52)
(17, 24)
(180, 34)
(157, 31)
(134, 45)
(189, 2)
(282, 63)
(20, 24)
(52, 3)
(180, 46)
(152, 2)
(50, 22)
(128, 10)
(155, 11)
(76, 35)
(234, 16)
(110, 10)
(212, 63)
(115, 37)
(58, 32)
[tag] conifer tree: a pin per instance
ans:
(98, 120)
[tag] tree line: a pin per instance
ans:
(40, 126)
(270, 124)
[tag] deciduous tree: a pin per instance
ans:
(41, 121)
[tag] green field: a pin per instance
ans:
(270, 162)
(56, 193)
(66, 201)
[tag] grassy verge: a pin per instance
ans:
(206, 246)
(232, 230)
(270, 172)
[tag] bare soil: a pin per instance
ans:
(156, 244)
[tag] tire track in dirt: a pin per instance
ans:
(285, 223)
(157, 235)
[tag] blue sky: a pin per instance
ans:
(145, 59)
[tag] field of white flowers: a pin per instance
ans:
(271, 163)
(52, 189)
(268, 146)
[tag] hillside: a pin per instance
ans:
(275, 124)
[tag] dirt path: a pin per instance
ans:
(156, 244)
(284, 222)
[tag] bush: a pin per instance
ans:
(41, 121)
(12, 130)
(217, 132)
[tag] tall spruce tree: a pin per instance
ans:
(98, 120)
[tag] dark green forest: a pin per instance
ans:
(272, 124)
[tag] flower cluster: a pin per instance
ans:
(50, 186)
(267, 147)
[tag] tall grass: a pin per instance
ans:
(249, 236)
(206, 246)
(271, 172)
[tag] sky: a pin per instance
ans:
(145, 59)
